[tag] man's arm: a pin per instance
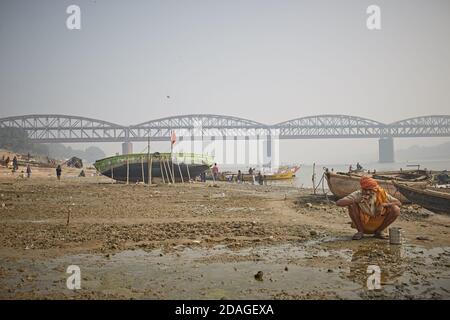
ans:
(391, 201)
(345, 202)
(349, 200)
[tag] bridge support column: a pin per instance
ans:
(235, 151)
(247, 151)
(267, 155)
(224, 150)
(258, 151)
(127, 147)
(386, 150)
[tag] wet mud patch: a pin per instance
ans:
(324, 270)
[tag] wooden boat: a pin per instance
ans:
(342, 184)
(433, 199)
(282, 174)
(135, 167)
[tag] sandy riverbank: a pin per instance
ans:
(203, 241)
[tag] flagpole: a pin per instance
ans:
(149, 164)
(172, 141)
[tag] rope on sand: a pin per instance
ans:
(321, 183)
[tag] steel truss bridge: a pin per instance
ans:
(57, 128)
(49, 128)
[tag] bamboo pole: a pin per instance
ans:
(170, 170)
(142, 168)
(189, 175)
(169, 174)
(165, 169)
(314, 177)
(149, 163)
(162, 171)
(128, 171)
(112, 174)
(181, 174)
(173, 169)
(150, 171)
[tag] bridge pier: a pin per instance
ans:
(127, 147)
(386, 150)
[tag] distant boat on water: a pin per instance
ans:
(164, 166)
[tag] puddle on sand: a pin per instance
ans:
(201, 273)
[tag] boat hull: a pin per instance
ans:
(135, 168)
(342, 185)
(433, 200)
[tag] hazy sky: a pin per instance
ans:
(266, 60)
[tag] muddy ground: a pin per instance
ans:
(199, 241)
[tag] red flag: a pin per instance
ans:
(173, 137)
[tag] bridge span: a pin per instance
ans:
(58, 128)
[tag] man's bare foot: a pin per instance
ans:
(358, 236)
(380, 235)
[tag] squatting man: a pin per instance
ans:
(371, 209)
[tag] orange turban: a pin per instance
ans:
(372, 184)
(368, 183)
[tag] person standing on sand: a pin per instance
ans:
(15, 164)
(260, 178)
(371, 209)
(239, 177)
(58, 172)
(251, 173)
(215, 171)
(28, 171)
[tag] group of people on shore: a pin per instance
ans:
(238, 178)
(15, 166)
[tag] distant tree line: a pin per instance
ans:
(16, 140)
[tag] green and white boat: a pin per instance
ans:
(164, 166)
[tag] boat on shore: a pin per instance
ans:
(284, 173)
(434, 199)
(342, 184)
(139, 167)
